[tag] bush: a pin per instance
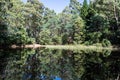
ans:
(30, 40)
(19, 36)
(45, 37)
(56, 40)
(106, 43)
(97, 44)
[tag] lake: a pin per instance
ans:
(59, 64)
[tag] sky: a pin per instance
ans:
(56, 5)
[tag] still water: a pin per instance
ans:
(54, 64)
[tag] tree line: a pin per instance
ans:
(96, 23)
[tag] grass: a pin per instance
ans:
(68, 47)
(76, 47)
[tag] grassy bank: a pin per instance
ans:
(65, 47)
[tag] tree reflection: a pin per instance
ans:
(46, 64)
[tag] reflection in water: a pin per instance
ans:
(46, 64)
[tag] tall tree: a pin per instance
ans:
(33, 15)
(111, 9)
(65, 23)
(84, 10)
(4, 6)
(50, 22)
(74, 7)
(78, 30)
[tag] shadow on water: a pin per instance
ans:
(53, 64)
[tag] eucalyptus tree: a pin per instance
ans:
(110, 8)
(33, 14)
(65, 24)
(78, 29)
(74, 6)
(70, 23)
(98, 29)
(16, 20)
(50, 22)
(65, 20)
(15, 14)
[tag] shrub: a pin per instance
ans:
(106, 43)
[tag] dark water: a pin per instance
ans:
(46, 64)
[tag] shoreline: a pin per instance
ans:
(27, 46)
(68, 47)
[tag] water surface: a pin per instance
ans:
(54, 64)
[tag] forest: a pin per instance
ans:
(93, 23)
(84, 32)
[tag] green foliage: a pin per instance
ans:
(91, 13)
(98, 29)
(110, 8)
(32, 22)
(65, 39)
(94, 37)
(44, 37)
(56, 40)
(3, 34)
(84, 10)
(78, 30)
(94, 24)
(74, 7)
(106, 53)
(20, 36)
(98, 22)
(33, 11)
(106, 43)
